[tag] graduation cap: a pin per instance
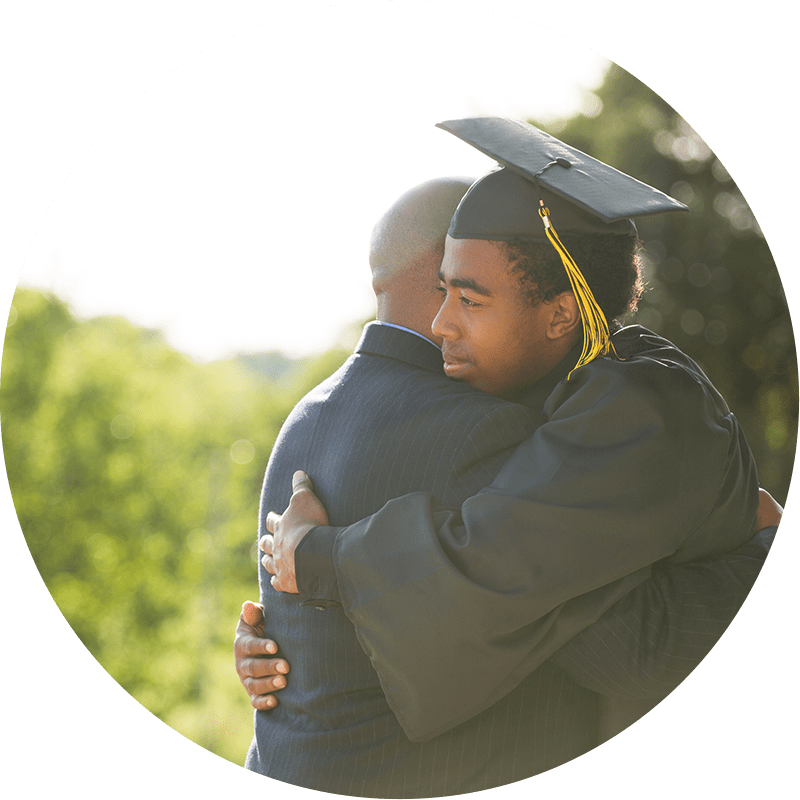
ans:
(542, 182)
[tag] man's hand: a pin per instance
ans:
(304, 512)
(769, 511)
(259, 674)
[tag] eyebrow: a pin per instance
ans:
(466, 283)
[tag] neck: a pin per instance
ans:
(398, 314)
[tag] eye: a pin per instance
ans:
(441, 289)
(467, 303)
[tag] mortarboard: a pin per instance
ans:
(584, 194)
(540, 178)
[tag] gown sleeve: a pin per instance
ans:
(638, 462)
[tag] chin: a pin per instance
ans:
(485, 386)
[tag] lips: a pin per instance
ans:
(455, 367)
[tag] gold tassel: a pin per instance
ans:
(596, 336)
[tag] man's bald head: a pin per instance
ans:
(406, 252)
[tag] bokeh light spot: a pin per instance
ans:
(198, 541)
(692, 322)
(242, 452)
(699, 275)
(156, 546)
(122, 426)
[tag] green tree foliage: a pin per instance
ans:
(713, 287)
(135, 474)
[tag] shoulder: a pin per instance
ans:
(452, 418)
(488, 432)
(648, 373)
(417, 389)
(394, 396)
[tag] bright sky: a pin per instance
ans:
(229, 200)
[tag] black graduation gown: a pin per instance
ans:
(638, 460)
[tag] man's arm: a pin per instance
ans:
(259, 674)
(648, 642)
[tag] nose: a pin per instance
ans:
(443, 326)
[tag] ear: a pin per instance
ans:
(565, 317)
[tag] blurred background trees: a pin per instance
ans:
(135, 472)
(713, 287)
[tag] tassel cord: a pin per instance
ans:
(596, 336)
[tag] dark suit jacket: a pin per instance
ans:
(642, 648)
(388, 423)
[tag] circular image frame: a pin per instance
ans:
(82, 704)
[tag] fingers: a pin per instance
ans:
(287, 530)
(245, 647)
(288, 585)
(263, 702)
(258, 675)
(267, 544)
(301, 481)
(770, 511)
(260, 691)
(252, 613)
(765, 497)
(244, 630)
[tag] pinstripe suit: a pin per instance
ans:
(333, 730)
(649, 642)
(386, 424)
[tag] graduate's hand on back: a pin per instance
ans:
(287, 530)
(769, 511)
(260, 675)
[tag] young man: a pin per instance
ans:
(636, 460)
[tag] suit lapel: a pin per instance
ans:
(389, 342)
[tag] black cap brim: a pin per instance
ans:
(599, 195)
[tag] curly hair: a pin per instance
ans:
(611, 265)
